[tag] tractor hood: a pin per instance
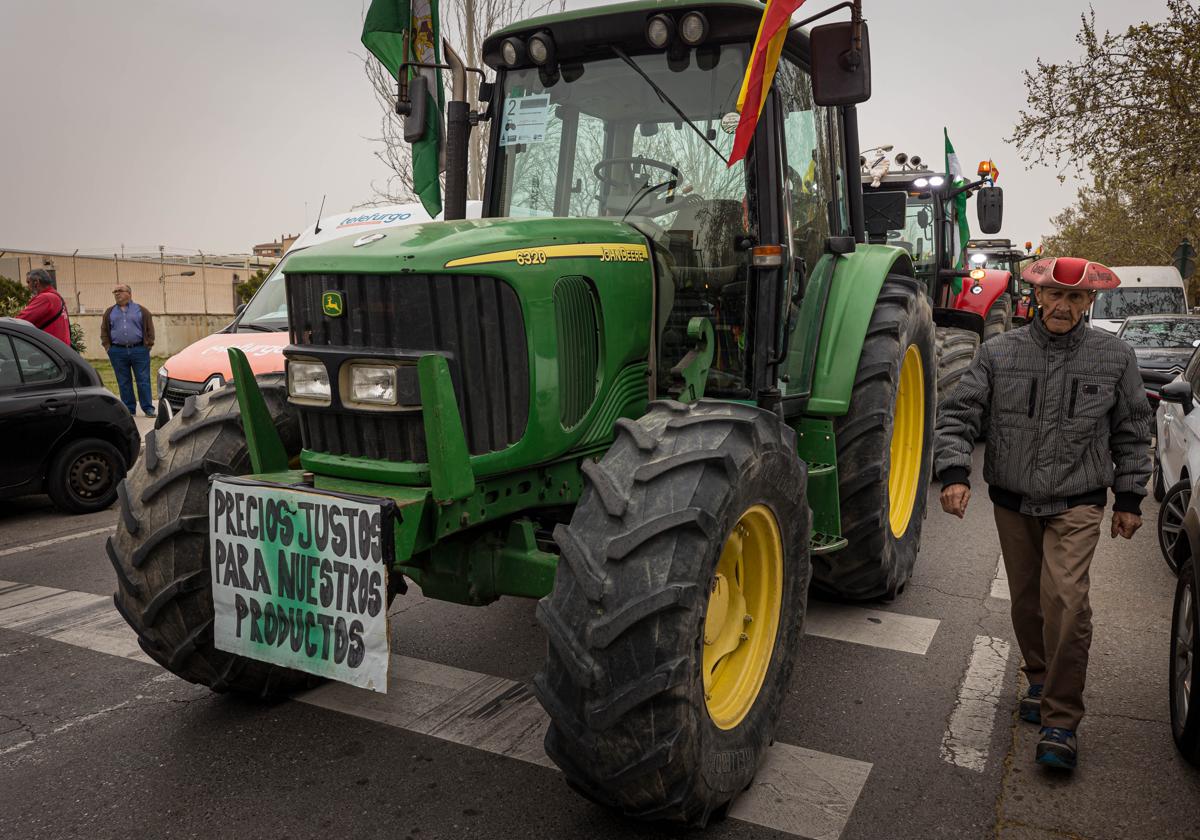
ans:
(471, 245)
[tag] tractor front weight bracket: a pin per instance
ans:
(450, 474)
(691, 374)
(267, 454)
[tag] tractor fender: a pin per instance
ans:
(854, 288)
(978, 295)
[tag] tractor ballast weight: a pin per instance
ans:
(662, 411)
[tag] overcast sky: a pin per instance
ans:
(215, 125)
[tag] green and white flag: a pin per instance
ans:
(962, 233)
(388, 24)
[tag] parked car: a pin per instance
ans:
(1185, 637)
(1176, 457)
(61, 431)
(1163, 345)
(1144, 290)
(260, 327)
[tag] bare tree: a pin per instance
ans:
(465, 24)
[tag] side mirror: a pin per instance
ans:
(923, 217)
(1178, 392)
(417, 109)
(989, 203)
(841, 73)
(241, 307)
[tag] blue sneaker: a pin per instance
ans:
(1058, 748)
(1031, 704)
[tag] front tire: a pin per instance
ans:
(1185, 665)
(1172, 540)
(662, 696)
(83, 477)
(999, 318)
(161, 547)
(885, 450)
(955, 350)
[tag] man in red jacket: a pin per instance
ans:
(46, 310)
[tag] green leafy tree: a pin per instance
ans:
(13, 297)
(247, 288)
(1124, 113)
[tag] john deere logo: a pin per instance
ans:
(332, 304)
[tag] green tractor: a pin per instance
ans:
(913, 207)
(660, 393)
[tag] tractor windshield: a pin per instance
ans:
(917, 236)
(597, 139)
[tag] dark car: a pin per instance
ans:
(61, 431)
(1163, 345)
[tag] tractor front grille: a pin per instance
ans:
(575, 308)
(475, 322)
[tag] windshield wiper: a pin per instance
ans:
(259, 327)
(668, 101)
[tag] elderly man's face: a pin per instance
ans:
(1062, 309)
(122, 295)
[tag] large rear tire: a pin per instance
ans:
(160, 550)
(955, 352)
(885, 450)
(676, 610)
(999, 318)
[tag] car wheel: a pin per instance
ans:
(1185, 666)
(1171, 537)
(83, 477)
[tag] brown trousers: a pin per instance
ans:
(1047, 561)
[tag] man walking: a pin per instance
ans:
(1067, 418)
(127, 333)
(46, 310)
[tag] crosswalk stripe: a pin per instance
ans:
(797, 790)
(18, 549)
(863, 626)
(1000, 581)
(969, 734)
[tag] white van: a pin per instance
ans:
(1144, 290)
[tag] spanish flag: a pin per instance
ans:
(772, 31)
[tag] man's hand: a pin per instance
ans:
(1123, 523)
(955, 498)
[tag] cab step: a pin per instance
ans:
(825, 543)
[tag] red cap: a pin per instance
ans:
(1070, 273)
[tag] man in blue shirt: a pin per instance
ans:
(127, 333)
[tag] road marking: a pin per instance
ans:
(796, 790)
(107, 529)
(847, 623)
(969, 733)
(1000, 582)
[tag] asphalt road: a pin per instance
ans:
(901, 722)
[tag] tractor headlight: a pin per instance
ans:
(308, 381)
(373, 384)
(513, 51)
(659, 31)
(541, 48)
(693, 28)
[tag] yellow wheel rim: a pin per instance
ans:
(908, 439)
(742, 620)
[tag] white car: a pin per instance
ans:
(1177, 456)
(1144, 290)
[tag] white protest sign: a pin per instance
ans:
(299, 579)
(525, 119)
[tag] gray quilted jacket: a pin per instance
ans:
(1065, 417)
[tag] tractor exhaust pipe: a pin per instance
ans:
(458, 137)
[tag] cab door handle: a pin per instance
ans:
(53, 404)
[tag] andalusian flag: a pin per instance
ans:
(394, 30)
(764, 58)
(963, 233)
